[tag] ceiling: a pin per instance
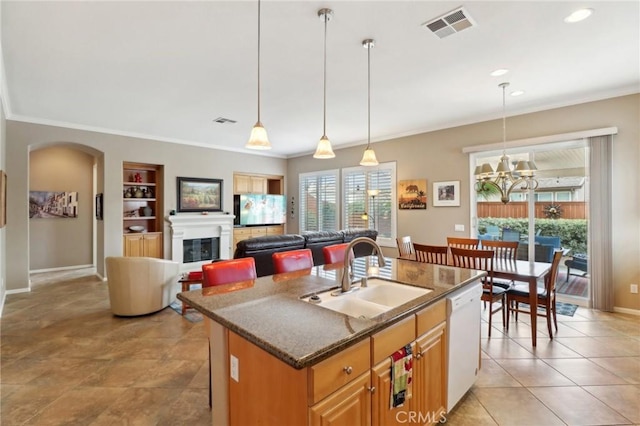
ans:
(166, 70)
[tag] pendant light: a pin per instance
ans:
(504, 180)
(369, 156)
(258, 138)
(324, 149)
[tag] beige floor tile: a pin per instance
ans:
(533, 372)
(625, 399)
(515, 406)
(170, 374)
(600, 346)
(583, 372)
(121, 373)
(27, 401)
(546, 348)
(504, 348)
(138, 406)
(469, 412)
(575, 406)
(493, 375)
(190, 349)
(625, 367)
(595, 328)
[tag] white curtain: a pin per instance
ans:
(600, 232)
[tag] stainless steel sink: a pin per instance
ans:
(376, 298)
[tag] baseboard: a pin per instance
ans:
(18, 290)
(62, 268)
(626, 311)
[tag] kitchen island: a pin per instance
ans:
(277, 359)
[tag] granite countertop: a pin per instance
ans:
(269, 311)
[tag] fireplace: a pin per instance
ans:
(198, 239)
(200, 249)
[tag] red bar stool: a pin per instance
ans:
(335, 253)
(228, 271)
(293, 260)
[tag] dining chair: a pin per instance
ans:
(292, 260)
(546, 296)
(482, 260)
(465, 243)
(405, 246)
(335, 253)
(431, 254)
(503, 251)
(228, 271)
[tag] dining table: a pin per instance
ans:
(517, 270)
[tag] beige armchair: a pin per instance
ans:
(141, 285)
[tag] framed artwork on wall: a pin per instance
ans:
(53, 205)
(446, 194)
(199, 195)
(412, 194)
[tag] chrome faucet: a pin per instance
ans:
(346, 274)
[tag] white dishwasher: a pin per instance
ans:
(463, 337)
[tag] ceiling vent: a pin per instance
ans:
(450, 23)
(222, 120)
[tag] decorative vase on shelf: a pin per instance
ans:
(147, 211)
(139, 193)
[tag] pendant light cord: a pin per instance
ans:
(324, 111)
(368, 95)
(259, 61)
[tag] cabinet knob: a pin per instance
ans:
(418, 355)
(348, 369)
(371, 389)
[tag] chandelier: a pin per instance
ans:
(505, 180)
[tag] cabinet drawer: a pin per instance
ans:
(389, 340)
(242, 231)
(274, 230)
(430, 316)
(333, 373)
(257, 232)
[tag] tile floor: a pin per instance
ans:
(66, 360)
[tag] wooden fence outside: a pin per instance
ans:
(517, 209)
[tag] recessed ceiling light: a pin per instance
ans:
(499, 72)
(517, 93)
(578, 15)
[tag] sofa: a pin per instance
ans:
(141, 285)
(261, 248)
(578, 261)
(544, 248)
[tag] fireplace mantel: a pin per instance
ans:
(191, 226)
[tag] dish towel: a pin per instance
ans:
(401, 376)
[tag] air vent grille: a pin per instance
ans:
(450, 23)
(222, 120)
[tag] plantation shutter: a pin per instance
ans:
(319, 201)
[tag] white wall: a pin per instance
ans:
(437, 156)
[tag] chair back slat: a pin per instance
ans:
(504, 250)
(431, 254)
(464, 243)
(405, 246)
(481, 260)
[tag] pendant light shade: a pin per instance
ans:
(324, 150)
(369, 156)
(258, 138)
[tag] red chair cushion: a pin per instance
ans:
(293, 260)
(335, 253)
(228, 271)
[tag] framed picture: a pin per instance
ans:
(99, 207)
(412, 194)
(53, 205)
(446, 194)
(199, 195)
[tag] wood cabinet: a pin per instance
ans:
(257, 184)
(243, 233)
(148, 244)
(142, 207)
(352, 387)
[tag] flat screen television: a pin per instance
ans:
(260, 209)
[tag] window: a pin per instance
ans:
(319, 201)
(369, 200)
(543, 196)
(563, 195)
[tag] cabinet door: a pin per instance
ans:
(382, 413)
(430, 390)
(134, 245)
(258, 185)
(152, 246)
(348, 406)
(241, 184)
